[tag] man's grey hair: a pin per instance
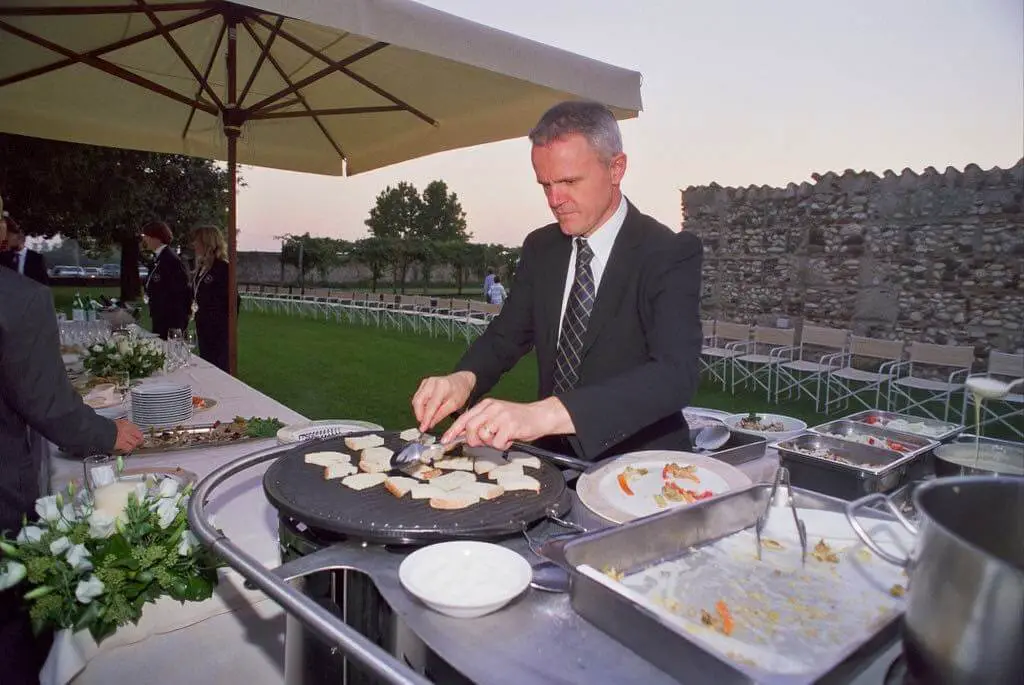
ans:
(592, 120)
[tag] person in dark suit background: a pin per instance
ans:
(210, 289)
(608, 298)
(36, 401)
(167, 288)
(18, 257)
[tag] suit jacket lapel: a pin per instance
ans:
(553, 290)
(621, 263)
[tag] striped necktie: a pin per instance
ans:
(574, 324)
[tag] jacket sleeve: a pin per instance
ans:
(510, 335)
(179, 293)
(34, 384)
(608, 412)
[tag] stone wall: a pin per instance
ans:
(936, 257)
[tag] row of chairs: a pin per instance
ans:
(447, 317)
(832, 366)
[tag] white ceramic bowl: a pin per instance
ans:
(791, 427)
(465, 579)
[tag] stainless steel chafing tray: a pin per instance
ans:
(845, 429)
(685, 653)
(741, 448)
(869, 469)
(876, 417)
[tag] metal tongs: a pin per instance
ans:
(782, 477)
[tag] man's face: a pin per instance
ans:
(149, 244)
(581, 189)
(15, 241)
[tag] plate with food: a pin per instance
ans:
(208, 435)
(644, 483)
(203, 403)
(769, 426)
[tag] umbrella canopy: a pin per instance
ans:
(326, 87)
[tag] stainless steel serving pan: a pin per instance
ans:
(672, 534)
(848, 429)
(866, 469)
(997, 457)
(871, 416)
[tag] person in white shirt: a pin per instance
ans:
(496, 293)
(607, 297)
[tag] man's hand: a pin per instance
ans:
(497, 423)
(129, 436)
(439, 396)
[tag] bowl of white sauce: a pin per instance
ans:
(465, 579)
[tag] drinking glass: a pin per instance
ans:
(122, 384)
(100, 471)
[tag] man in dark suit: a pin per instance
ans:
(608, 298)
(18, 257)
(36, 402)
(167, 289)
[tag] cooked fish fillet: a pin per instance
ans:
(421, 471)
(426, 491)
(410, 434)
(339, 469)
(484, 465)
(362, 481)
(374, 466)
(526, 461)
(327, 458)
(382, 454)
(453, 500)
(511, 483)
(400, 485)
(364, 442)
(452, 480)
(506, 470)
(455, 464)
(481, 490)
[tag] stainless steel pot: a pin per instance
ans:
(964, 622)
(997, 457)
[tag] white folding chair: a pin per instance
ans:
(805, 373)
(729, 341)
(1007, 368)
(861, 371)
(708, 330)
(921, 380)
(761, 357)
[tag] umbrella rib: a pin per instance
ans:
(328, 112)
(259, 61)
(341, 66)
(299, 95)
(108, 67)
(102, 9)
(206, 75)
(39, 71)
(181, 54)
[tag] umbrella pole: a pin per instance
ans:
(232, 129)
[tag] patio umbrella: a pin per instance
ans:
(325, 87)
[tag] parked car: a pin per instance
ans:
(110, 271)
(143, 271)
(67, 272)
(92, 271)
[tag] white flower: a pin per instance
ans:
(47, 508)
(101, 525)
(115, 357)
(30, 534)
(188, 543)
(68, 517)
(59, 546)
(89, 589)
(13, 573)
(168, 488)
(97, 348)
(78, 557)
(167, 510)
(123, 347)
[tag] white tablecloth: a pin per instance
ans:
(237, 635)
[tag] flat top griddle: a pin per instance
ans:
(298, 490)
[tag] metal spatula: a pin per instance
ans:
(423, 452)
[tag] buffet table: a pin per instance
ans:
(237, 635)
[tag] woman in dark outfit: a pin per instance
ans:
(210, 287)
(167, 291)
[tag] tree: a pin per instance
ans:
(441, 217)
(309, 253)
(394, 219)
(374, 254)
(103, 196)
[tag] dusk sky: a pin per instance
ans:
(735, 91)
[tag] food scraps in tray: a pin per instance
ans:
(218, 434)
(831, 455)
(630, 473)
(932, 430)
(449, 482)
(822, 552)
(884, 443)
(753, 422)
(671, 491)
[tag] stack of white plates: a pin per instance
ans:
(161, 404)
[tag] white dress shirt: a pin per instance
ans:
(601, 242)
(20, 264)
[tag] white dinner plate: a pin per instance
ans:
(150, 389)
(599, 490)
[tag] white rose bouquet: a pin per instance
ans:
(87, 568)
(137, 358)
